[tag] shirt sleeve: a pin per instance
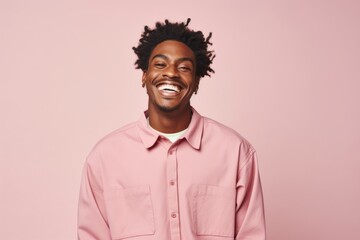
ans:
(250, 218)
(92, 220)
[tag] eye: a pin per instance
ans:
(184, 68)
(160, 65)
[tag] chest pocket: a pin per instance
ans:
(130, 212)
(214, 211)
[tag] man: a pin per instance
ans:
(173, 174)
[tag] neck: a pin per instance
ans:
(169, 122)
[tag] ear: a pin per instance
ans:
(143, 79)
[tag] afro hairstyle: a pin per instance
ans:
(195, 40)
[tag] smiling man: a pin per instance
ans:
(173, 174)
(170, 81)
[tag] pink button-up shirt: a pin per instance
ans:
(138, 185)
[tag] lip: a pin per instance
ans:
(161, 82)
(169, 94)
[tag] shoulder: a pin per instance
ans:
(125, 132)
(115, 138)
(225, 135)
(214, 127)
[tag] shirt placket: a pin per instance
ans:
(173, 203)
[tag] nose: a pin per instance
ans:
(171, 72)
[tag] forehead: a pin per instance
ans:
(173, 50)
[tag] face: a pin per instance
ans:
(170, 78)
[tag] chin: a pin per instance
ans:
(167, 108)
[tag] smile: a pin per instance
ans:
(169, 88)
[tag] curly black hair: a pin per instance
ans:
(195, 40)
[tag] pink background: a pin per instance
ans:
(287, 78)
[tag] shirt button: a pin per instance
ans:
(172, 182)
(171, 152)
(173, 215)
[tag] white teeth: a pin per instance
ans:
(169, 87)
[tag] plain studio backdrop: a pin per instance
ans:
(287, 79)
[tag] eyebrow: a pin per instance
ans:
(177, 60)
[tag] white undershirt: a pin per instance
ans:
(173, 137)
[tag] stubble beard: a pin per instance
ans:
(167, 109)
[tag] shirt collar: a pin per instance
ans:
(193, 135)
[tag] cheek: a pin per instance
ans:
(191, 81)
(151, 75)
